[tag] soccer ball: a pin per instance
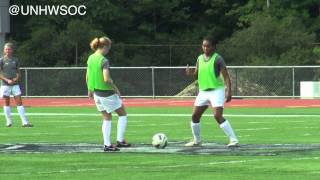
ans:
(160, 140)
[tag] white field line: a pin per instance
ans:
(139, 167)
(268, 122)
(254, 129)
(160, 166)
(159, 124)
(305, 158)
(305, 127)
(215, 163)
(235, 162)
(175, 115)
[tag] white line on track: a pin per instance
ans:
(176, 115)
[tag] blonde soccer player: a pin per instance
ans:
(105, 93)
(10, 75)
(214, 89)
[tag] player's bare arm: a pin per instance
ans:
(106, 76)
(116, 89)
(9, 81)
(87, 77)
(227, 81)
(16, 79)
(190, 72)
(90, 93)
(107, 79)
(4, 78)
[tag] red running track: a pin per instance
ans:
(143, 102)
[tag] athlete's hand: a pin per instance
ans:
(15, 80)
(118, 92)
(110, 81)
(9, 81)
(228, 96)
(90, 94)
(188, 70)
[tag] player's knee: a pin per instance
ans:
(121, 111)
(7, 101)
(195, 118)
(106, 116)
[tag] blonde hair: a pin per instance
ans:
(7, 45)
(97, 43)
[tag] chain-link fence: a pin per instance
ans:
(132, 55)
(247, 81)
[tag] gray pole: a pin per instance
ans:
(268, 3)
(4, 22)
(2, 41)
(293, 82)
(26, 81)
(153, 83)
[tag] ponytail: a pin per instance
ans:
(94, 44)
(100, 43)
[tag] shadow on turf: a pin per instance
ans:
(172, 148)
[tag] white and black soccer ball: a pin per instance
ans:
(160, 140)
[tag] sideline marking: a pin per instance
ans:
(172, 148)
(172, 115)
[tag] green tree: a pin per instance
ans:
(37, 50)
(168, 22)
(271, 41)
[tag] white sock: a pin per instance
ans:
(228, 130)
(195, 127)
(122, 125)
(22, 114)
(7, 113)
(106, 131)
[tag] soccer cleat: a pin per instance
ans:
(123, 144)
(27, 125)
(193, 144)
(9, 125)
(111, 148)
(234, 143)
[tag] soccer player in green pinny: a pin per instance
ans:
(214, 88)
(105, 93)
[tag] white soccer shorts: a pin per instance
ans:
(6, 90)
(108, 104)
(215, 97)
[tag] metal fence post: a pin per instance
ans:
(153, 82)
(26, 81)
(293, 83)
(236, 83)
(170, 54)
